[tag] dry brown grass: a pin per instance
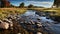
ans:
(6, 11)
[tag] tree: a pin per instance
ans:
(30, 6)
(5, 3)
(2, 3)
(57, 3)
(21, 5)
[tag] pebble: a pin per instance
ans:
(39, 33)
(19, 33)
(39, 24)
(21, 22)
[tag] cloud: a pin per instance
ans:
(38, 2)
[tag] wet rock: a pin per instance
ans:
(9, 22)
(6, 20)
(39, 33)
(32, 22)
(55, 22)
(21, 22)
(39, 25)
(29, 22)
(4, 25)
(38, 18)
(25, 21)
(19, 33)
(38, 22)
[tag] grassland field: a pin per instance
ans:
(6, 11)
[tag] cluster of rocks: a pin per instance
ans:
(5, 23)
(10, 25)
(31, 25)
(8, 22)
(28, 23)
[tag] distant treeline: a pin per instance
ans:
(57, 3)
(5, 3)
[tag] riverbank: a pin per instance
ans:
(11, 18)
(4, 12)
(9, 15)
(57, 10)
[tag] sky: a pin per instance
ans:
(43, 3)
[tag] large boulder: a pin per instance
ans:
(4, 25)
(9, 22)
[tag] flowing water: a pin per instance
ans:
(55, 28)
(32, 14)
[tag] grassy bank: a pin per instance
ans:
(6, 11)
(57, 10)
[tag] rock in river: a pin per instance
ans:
(4, 25)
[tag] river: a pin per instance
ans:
(48, 23)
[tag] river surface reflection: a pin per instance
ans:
(32, 14)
